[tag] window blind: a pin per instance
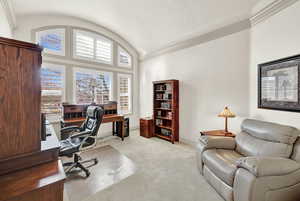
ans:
(84, 46)
(92, 47)
(52, 82)
(124, 94)
(104, 51)
(92, 86)
(124, 57)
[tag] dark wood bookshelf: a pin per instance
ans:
(166, 110)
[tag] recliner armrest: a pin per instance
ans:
(218, 142)
(268, 166)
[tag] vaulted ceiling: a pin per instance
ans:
(147, 24)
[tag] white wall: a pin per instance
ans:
(212, 75)
(5, 30)
(275, 38)
(24, 31)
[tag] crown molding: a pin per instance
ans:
(9, 12)
(270, 10)
(213, 35)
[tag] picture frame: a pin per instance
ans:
(279, 84)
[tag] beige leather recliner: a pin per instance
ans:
(261, 164)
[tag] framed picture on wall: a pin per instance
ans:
(279, 84)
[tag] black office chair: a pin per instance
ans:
(81, 138)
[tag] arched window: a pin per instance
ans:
(89, 55)
(52, 40)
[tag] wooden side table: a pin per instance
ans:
(217, 133)
(146, 127)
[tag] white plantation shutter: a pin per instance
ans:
(104, 50)
(124, 85)
(124, 57)
(91, 85)
(84, 46)
(52, 82)
(92, 46)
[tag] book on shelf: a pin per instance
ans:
(165, 105)
(165, 132)
(159, 122)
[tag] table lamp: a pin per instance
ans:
(226, 113)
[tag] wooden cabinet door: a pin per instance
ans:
(20, 97)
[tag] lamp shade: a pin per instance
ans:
(226, 113)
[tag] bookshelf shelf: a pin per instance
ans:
(165, 127)
(165, 118)
(163, 100)
(163, 136)
(166, 109)
(162, 109)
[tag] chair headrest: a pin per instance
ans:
(93, 111)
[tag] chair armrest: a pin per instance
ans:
(217, 142)
(268, 166)
(70, 128)
(81, 134)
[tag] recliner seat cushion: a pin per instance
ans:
(222, 163)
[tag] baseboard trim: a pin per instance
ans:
(188, 142)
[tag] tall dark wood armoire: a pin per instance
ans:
(20, 98)
(29, 168)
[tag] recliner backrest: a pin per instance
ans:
(296, 150)
(259, 138)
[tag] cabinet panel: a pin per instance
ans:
(20, 94)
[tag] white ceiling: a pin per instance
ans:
(147, 24)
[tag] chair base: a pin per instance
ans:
(77, 163)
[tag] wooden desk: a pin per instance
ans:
(108, 118)
(43, 182)
(217, 133)
(35, 177)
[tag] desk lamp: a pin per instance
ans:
(226, 113)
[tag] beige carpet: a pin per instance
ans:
(165, 172)
(111, 169)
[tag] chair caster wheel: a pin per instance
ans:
(87, 174)
(96, 161)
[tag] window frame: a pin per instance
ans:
(95, 36)
(52, 52)
(91, 71)
(130, 92)
(55, 66)
(118, 56)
